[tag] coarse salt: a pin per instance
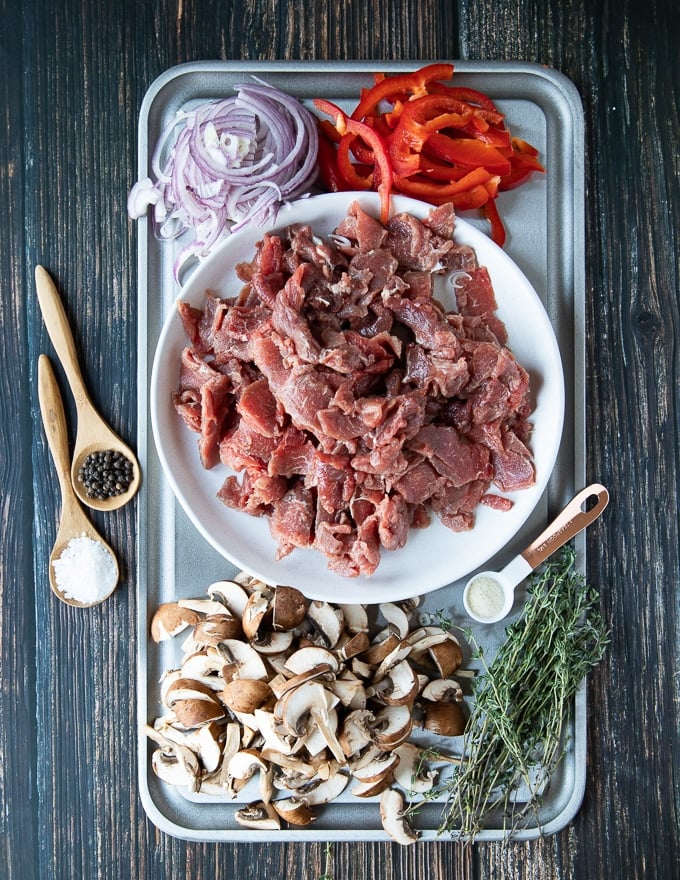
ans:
(85, 571)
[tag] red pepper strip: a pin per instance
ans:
(490, 112)
(347, 168)
(382, 168)
(406, 83)
(491, 135)
(497, 228)
(469, 153)
(329, 131)
(426, 188)
(328, 165)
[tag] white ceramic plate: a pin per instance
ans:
(432, 557)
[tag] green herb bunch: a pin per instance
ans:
(515, 738)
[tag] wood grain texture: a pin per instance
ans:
(73, 75)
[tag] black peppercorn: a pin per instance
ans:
(105, 474)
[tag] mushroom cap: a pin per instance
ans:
(170, 619)
(258, 815)
(294, 810)
(246, 694)
(289, 608)
(444, 718)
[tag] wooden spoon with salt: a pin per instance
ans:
(73, 522)
(92, 434)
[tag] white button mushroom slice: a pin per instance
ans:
(243, 766)
(400, 652)
(209, 745)
(305, 707)
(322, 671)
(383, 764)
(324, 791)
(349, 689)
(352, 645)
(289, 608)
(295, 811)
(170, 619)
(256, 610)
(259, 816)
(356, 731)
(230, 595)
(443, 690)
(246, 694)
(271, 643)
(393, 820)
(202, 606)
(175, 771)
(396, 618)
(372, 789)
(412, 773)
(392, 727)
(399, 687)
(305, 659)
(232, 744)
(249, 662)
(379, 650)
(275, 735)
(214, 628)
(356, 618)
(206, 663)
(327, 622)
(316, 739)
(361, 668)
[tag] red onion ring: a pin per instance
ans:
(226, 164)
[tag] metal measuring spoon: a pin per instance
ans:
(73, 522)
(488, 596)
(92, 434)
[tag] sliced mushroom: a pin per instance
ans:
(327, 622)
(447, 656)
(324, 791)
(202, 606)
(356, 731)
(259, 816)
(373, 788)
(393, 820)
(294, 810)
(399, 687)
(350, 690)
(396, 618)
(246, 694)
(243, 766)
(169, 767)
(444, 719)
(230, 595)
(356, 618)
(378, 651)
(275, 736)
(215, 628)
(352, 645)
(289, 608)
(170, 619)
(381, 765)
(443, 690)
(311, 657)
(256, 610)
(271, 643)
(392, 726)
(249, 662)
(411, 773)
(309, 703)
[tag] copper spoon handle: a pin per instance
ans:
(570, 522)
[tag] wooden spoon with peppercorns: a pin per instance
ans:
(97, 573)
(100, 481)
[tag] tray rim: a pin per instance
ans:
(554, 79)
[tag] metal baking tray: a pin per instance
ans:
(544, 220)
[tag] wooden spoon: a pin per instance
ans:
(73, 522)
(92, 434)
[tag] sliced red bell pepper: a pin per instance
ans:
(415, 83)
(328, 165)
(382, 173)
(497, 228)
(469, 153)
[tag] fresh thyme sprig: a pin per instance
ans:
(515, 738)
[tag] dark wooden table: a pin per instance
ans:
(72, 77)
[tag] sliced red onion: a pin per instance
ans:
(226, 164)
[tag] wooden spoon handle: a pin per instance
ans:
(60, 332)
(567, 524)
(54, 420)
